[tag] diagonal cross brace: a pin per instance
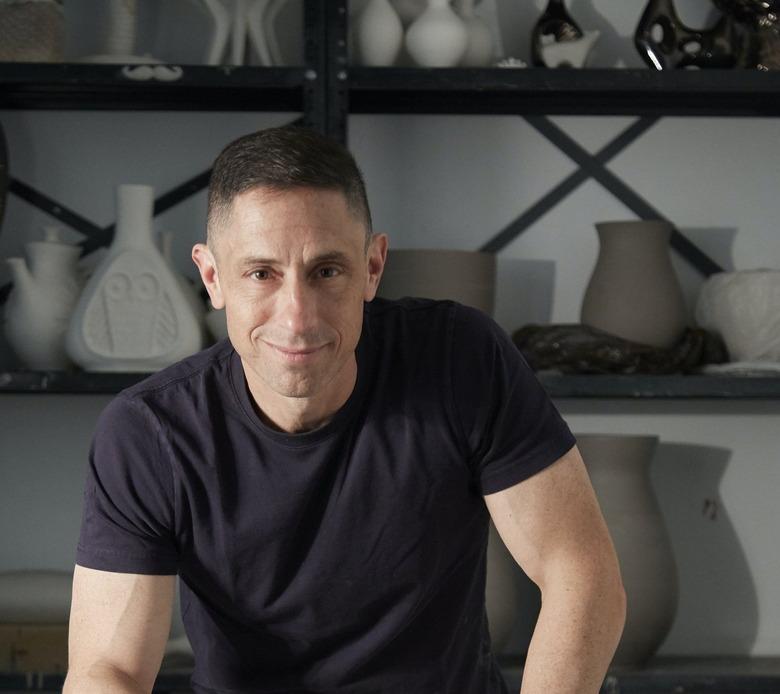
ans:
(593, 166)
(566, 187)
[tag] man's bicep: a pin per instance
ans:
(119, 620)
(552, 519)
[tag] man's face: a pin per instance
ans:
(291, 269)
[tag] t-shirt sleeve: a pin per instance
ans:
(127, 516)
(511, 427)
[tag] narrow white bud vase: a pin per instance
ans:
(133, 314)
(379, 34)
(438, 37)
(480, 49)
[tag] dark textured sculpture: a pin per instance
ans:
(665, 42)
(759, 22)
(555, 22)
(580, 349)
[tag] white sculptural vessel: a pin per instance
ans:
(42, 301)
(133, 314)
(743, 307)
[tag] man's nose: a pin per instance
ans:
(298, 306)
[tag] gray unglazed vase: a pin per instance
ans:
(619, 470)
(468, 277)
(634, 292)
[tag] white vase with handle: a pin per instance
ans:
(133, 314)
(39, 308)
(438, 37)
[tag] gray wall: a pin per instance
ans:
(453, 182)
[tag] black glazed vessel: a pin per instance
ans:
(665, 42)
(555, 21)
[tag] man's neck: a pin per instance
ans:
(299, 415)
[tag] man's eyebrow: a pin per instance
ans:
(327, 257)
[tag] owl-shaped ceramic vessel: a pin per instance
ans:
(133, 314)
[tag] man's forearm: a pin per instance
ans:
(574, 640)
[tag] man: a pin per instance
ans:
(322, 482)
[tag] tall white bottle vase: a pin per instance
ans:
(39, 308)
(120, 37)
(480, 49)
(438, 37)
(132, 314)
(379, 34)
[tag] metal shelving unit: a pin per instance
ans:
(325, 91)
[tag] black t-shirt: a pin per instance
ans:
(347, 559)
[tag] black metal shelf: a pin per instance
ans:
(541, 91)
(673, 386)
(70, 382)
(676, 387)
(85, 86)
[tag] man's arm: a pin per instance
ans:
(553, 527)
(119, 625)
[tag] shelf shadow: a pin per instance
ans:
(718, 606)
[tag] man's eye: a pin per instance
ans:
(262, 274)
(328, 272)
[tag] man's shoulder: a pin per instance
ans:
(210, 362)
(432, 317)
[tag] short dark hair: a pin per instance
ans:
(281, 159)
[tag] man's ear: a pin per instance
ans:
(207, 266)
(377, 254)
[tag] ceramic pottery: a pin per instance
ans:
(31, 31)
(468, 277)
(572, 53)
(409, 10)
(480, 48)
(39, 308)
(379, 34)
(744, 308)
(438, 37)
(555, 25)
(759, 25)
(132, 314)
(501, 594)
(619, 470)
(665, 42)
(634, 292)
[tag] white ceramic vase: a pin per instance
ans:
(40, 306)
(133, 314)
(379, 34)
(619, 470)
(633, 291)
(744, 308)
(480, 49)
(438, 37)
(468, 277)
